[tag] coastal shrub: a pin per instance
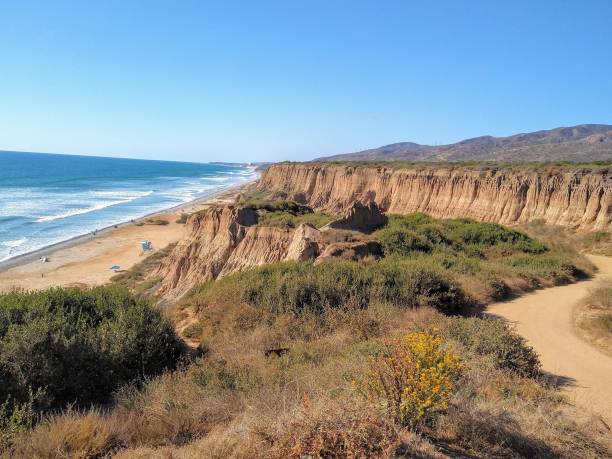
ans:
(601, 297)
(353, 432)
(288, 214)
(17, 417)
(136, 278)
(303, 287)
(489, 234)
(488, 260)
(303, 402)
(182, 218)
(593, 316)
(493, 338)
(418, 232)
(157, 221)
(414, 378)
(403, 242)
(285, 219)
(558, 268)
(71, 346)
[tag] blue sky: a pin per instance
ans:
(268, 80)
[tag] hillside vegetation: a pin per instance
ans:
(376, 358)
(73, 348)
(586, 142)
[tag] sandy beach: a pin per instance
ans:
(86, 260)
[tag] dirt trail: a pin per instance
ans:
(545, 319)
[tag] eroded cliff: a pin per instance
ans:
(578, 198)
(224, 239)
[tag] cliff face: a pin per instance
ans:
(221, 240)
(578, 198)
(210, 239)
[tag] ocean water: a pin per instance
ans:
(45, 198)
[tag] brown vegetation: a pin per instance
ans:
(593, 317)
(236, 402)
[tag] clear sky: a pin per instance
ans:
(273, 80)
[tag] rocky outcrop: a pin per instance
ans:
(260, 245)
(305, 243)
(224, 239)
(574, 197)
(211, 237)
(360, 217)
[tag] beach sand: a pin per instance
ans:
(86, 260)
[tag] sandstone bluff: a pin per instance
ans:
(575, 197)
(224, 239)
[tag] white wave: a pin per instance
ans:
(218, 179)
(15, 243)
(128, 195)
(123, 194)
(83, 210)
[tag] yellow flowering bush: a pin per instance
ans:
(414, 377)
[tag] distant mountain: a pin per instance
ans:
(586, 142)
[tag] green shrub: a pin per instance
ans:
(402, 242)
(157, 221)
(78, 346)
(489, 234)
(17, 417)
(285, 219)
(493, 338)
(405, 234)
(299, 287)
(557, 268)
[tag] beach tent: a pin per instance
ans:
(115, 267)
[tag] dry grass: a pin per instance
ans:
(71, 435)
(236, 402)
(596, 242)
(137, 277)
(593, 317)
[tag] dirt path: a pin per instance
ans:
(545, 319)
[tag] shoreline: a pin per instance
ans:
(85, 260)
(48, 250)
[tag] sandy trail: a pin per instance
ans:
(545, 319)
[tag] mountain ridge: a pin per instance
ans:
(584, 142)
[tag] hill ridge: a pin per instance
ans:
(583, 142)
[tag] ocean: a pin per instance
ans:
(48, 198)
